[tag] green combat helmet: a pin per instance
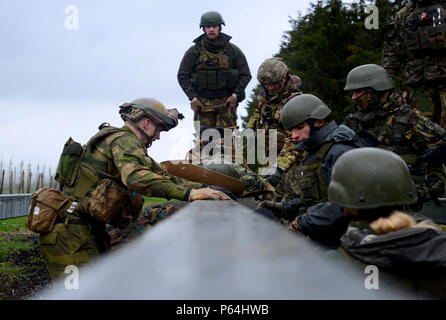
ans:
(368, 178)
(155, 110)
(272, 70)
(369, 76)
(211, 18)
(301, 108)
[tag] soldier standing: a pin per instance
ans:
(214, 74)
(114, 171)
(278, 86)
(415, 50)
(396, 125)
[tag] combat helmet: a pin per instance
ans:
(369, 76)
(211, 18)
(152, 108)
(301, 108)
(368, 178)
(272, 70)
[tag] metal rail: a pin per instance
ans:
(220, 250)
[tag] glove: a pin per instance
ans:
(275, 207)
(225, 191)
(435, 156)
(435, 186)
(196, 104)
(274, 179)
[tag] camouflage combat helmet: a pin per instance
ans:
(368, 178)
(272, 70)
(302, 108)
(211, 18)
(152, 108)
(369, 76)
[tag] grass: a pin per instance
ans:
(14, 224)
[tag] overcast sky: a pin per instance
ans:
(57, 82)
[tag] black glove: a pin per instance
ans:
(435, 156)
(225, 191)
(274, 179)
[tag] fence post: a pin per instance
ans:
(11, 182)
(3, 179)
(28, 189)
(22, 182)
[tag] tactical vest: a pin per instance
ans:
(424, 31)
(353, 120)
(311, 183)
(86, 177)
(214, 76)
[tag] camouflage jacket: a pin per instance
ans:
(192, 58)
(122, 156)
(417, 41)
(267, 116)
(398, 127)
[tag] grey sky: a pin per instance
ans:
(58, 83)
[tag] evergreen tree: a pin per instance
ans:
(326, 43)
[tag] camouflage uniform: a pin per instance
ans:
(416, 41)
(212, 75)
(401, 129)
(117, 154)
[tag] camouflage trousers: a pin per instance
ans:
(151, 216)
(71, 244)
(216, 114)
(431, 100)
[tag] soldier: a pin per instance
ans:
(278, 86)
(214, 74)
(115, 170)
(396, 125)
(322, 141)
(415, 50)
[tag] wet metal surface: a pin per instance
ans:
(220, 250)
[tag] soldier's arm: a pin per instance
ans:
(137, 171)
(184, 73)
(288, 155)
(252, 123)
(241, 65)
(424, 134)
(392, 48)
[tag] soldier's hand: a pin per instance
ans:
(274, 179)
(231, 102)
(196, 104)
(275, 207)
(435, 186)
(225, 191)
(207, 194)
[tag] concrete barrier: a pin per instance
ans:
(14, 205)
(219, 250)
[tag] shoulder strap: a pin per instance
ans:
(86, 179)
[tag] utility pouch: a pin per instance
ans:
(107, 200)
(46, 205)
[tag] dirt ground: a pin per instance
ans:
(22, 270)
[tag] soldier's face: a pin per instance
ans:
(152, 130)
(358, 93)
(212, 32)
(301, 132)
(274, 88)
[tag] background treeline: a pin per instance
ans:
(23, 178)
(326, 43)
